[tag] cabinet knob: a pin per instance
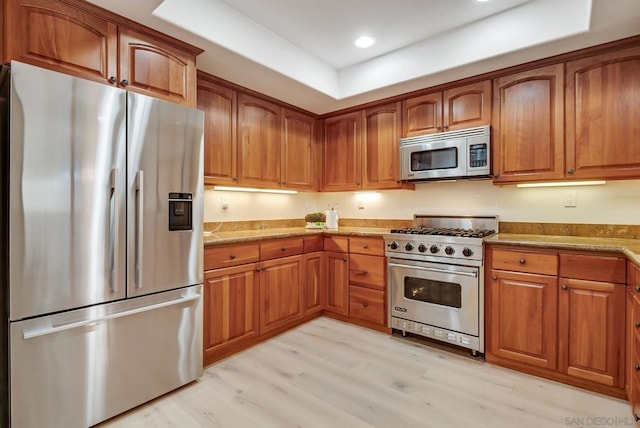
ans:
(365, 247)
(438, 127)
(565, 287)
(522, 261)
(357, 183)
(446, 126)
(258, 269)
(113, 79)
(124, 82)
(365, 304)
(637, 367)
(494, 277)
(344, 259)
(263, 268)
(235, 178)
(496, 175)
(570, 171)
(637, 324)
(636, 417)
(284, 248)
(232, 256)
(364, 272)
(637, 288)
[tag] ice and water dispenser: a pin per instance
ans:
(180, 211)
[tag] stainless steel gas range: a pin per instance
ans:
(436, 278)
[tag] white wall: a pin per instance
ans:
(617, 202)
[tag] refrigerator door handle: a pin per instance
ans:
(139, 226)
(113, 228)
(30, 334)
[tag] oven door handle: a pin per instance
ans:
(428, 269)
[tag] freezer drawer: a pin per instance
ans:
(78, 368)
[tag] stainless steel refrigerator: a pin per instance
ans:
(101, 248)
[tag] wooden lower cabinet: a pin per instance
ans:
(230, 308)
(336, 266)
(367, 304)
(522, 312)
(312, 283)
(591, 331)
(280, 292)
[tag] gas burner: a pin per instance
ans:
(447, 231)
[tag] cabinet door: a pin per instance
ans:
(337, 271)
(342, 168)
(381, 137)
(313, 283)
(219, 106)
(422, 115)
(298, 151)
(61, 37)
(602, 115)
(629, 342)
(280, 292)
(155, 67)
(259, 142)
(590, 330)
(467, 106)
(528, 126)
(230, 307)
(522, 318)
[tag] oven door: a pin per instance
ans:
(441, 295)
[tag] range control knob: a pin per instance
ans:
(409, 246)
(393, 245)
(434, 249)
(467, 252)
(449, 250)
(422, 248)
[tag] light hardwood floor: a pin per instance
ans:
(331, 374)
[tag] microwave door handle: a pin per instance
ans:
(428, 269)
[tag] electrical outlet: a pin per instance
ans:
(225, 203)
(570, 198)
(360, 204)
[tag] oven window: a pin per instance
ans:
(430, 291)
(434, 159)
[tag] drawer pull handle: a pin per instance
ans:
(565, 287)
(637, 367)
(522, 261)
(364, 272)
(232, 256)
(365, 304)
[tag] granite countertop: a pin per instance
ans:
(629, 247)
(219, 238)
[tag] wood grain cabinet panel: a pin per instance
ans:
(230, 308)
(219, 105)
(342, 160)
(338, 244)
(381, 163)
(369, 246)
(336, 266)
(525, 261)
(230, 255)
(298, 151)
(456, 108)
(278, 248)
(367, 271)
(259, 142)
(280, 292)
(523, 312)
(591, 326)
(367, 304)
(602, 115)
(313, 283)
(528, 126)
(156, 68)
(595, 268)
(61, 37)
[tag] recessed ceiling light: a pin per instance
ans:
(365, 41)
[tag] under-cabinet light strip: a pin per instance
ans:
(563, 183)
(254, 190)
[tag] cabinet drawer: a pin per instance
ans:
(339, 244)
(230, 255)
(524, 261)
(371, 246)
(311, 244)
(595, 268)
(366, 304)
(367, 271)
(280, 248)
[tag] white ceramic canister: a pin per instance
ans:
(331, 221)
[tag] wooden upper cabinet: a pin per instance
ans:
(456, 108)
(381, 165)
(528, 125)
(298, 151)
(154, 67)
(81, 39)
(422, 115)
(342, 169)
(602, 115)
(61, 37)
(259, 136)
(220, 143)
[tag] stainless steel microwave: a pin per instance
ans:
(456, 154)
